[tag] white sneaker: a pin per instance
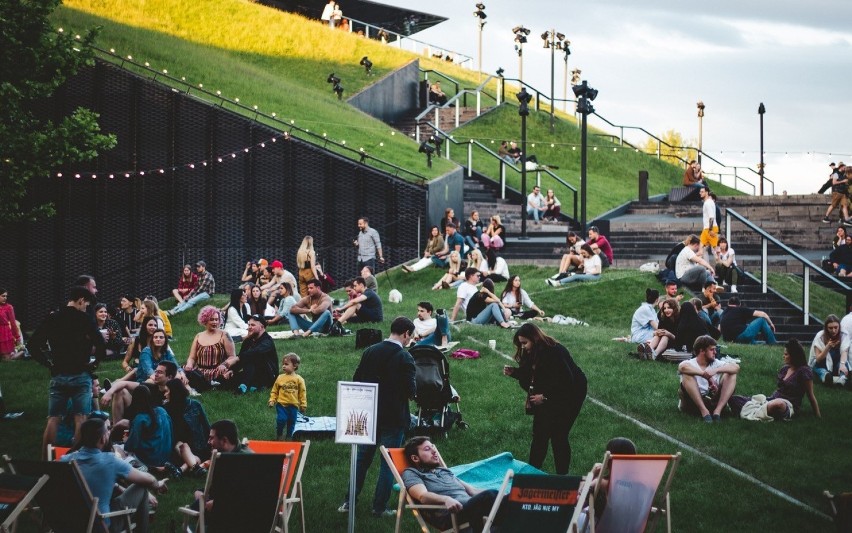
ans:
(840, 380)
(552, 282)
(733, 288)
(554, 277)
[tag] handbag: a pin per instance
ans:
(367, 337)
(327, 282)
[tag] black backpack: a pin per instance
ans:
(367, 337)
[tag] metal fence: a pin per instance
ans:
(134, 233)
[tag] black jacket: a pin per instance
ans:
(557, 376)
(72, 336)
(392, 367)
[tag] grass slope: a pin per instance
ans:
(280, 62)
(779, 454)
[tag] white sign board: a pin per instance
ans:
(357, 408)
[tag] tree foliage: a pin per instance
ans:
(35, 60)
(673, 149)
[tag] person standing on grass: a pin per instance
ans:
(73, 337)
(556, 389)
(706, 384)
(392, 367)
(369, 245)
(289, 397)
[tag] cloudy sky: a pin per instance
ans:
(653, 60)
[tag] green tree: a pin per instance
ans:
(35, 60)
(673, 148)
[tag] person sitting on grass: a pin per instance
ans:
(190, 428)
(485, 307)
(706, 383)
(428, 330)
(453, 242)
(497, 267)
(289, 397)
(434, 245)
(829, 357)
(690, 326)
(795, 380)
(591, 269)
(427, 482)
(645, 330)
(150, 437)
(286, 301)
(454, 272)
(465, 292)
(515, 298)
(365, 307)
(256, 366)
(318, 305)
(571, 257)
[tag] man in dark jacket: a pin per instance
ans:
(392, 367)
(74, 339)
(256, 366)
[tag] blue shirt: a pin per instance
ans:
(152, 447)
(456, 240)
(147, 363)
(101, 470)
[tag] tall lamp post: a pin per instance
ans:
(481, 16)
(567, 52)
(555, 41)
(761, 109)
(584, 106)
(523, 111)
(700, 105)
(520, 38)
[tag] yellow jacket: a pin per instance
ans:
(289, 389)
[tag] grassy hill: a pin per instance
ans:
(627, 397)
(280, 61)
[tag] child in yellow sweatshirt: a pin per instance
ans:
(288, 395)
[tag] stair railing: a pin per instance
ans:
(454, 104)
(807, 265)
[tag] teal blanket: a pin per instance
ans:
(488, 473)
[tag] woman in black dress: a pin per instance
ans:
(556, 389)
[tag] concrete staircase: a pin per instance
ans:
(446, 121)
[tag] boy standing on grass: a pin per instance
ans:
(288, 395)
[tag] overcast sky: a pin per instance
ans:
(652, 61)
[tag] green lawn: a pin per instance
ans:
(621, 390)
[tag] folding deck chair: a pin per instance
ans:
(16, 492)
(291, 488)
(634, 498)
(541, 503)
(66, 503)
(246, 491)
(55, 453)
(397, 462)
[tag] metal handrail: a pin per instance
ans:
(807, 265)
(454, 103)
(252, 113)
(467, 61)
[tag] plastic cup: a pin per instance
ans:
(492, 344)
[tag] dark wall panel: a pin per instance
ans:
(134, 234)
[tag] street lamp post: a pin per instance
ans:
(567, 52)
(481, 16)
(585, 95)
(761, 109)
(520, 38)
(700, 127)
(555, 41)
(523, 111)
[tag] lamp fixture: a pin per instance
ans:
(426, 148)
(367, 64)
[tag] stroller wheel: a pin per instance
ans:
(462, 425)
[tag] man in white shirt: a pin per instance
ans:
(705, 382)
(690, 268)
(428, 330)
(535, 204)
(465, 291)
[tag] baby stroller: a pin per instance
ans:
(435, 395)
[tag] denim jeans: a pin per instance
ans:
(200, 297)
(285, 419)
(756, 327)
(74, 387)
(389, 438)
(320, 325)
(534, 214)
(492, 314)
(442, 328)
(580, 277)
(695, 277)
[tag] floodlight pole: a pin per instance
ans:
(552, 43)
(481, 24)
(521, 62)
(523, 111)
(761, 109)
(582, 105)
(700, 128)
(565, 83)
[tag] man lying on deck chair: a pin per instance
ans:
(431, 484)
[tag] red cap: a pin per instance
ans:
(277, 264)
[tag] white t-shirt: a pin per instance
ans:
(535, 201)
(728, 254)
(501, 268)
(424, 327)
(592, 265)
(684, 261)
(708, 211)
(465, 291)
(641, 329)
(526, 301)
(703, 384)
(846, 325)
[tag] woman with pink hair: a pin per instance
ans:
(205, 367)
